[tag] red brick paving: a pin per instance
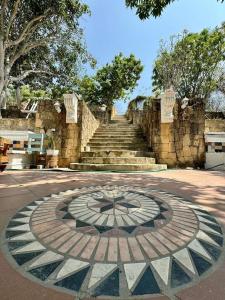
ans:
(101, 250)
(17, 189)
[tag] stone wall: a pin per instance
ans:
(215, 125)
(180, 143)
(66, 135)
(17, 124)
(89, 124)
(13, 112)
(102, 115)
(70, 139)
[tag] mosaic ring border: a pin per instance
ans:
(176, 289)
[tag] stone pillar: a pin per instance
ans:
(71, 104)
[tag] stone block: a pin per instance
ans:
(165, 147)
(165, 139)
(187, 152)
(170, 162)
(165, 129)
(186, 140)
(194, 151)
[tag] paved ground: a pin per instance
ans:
(150, 235)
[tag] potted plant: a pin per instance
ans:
(52, 152)
(52, 147)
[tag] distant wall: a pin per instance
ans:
(180, 143)
(215, 125)
(13, 112)
(17, 124)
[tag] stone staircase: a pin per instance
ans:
(118, 146)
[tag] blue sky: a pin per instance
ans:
(112, 28)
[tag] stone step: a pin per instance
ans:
(118, 127)
(122, 123)
(118, 117)
(117, 132)
(117, 153)
(117, 167)
(116, 124)
(122, 132)
(110, 148)
(119, 120)
(118, 135)
(117, 144)
(132, 140)
(118, 160)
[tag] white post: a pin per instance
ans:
(71, 104)
(168, 100)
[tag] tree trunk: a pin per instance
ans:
(108, 114)
(4, 100)
(1, 100)
(2, 73)
(18, 96)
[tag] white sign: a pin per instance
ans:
(71, 104)
(168, 100)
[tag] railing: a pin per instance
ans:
(36, 143)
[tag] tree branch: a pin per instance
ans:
(3, 8)
(27, 73)
(27, 48)
(29, 28)
(12, 18)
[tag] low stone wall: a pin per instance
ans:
(180, 143)
(13, 112)
(67, 135)
(89, 124)
(17, 124)
(215, 125)
(71, 139)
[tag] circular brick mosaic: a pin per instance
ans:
(116, 241)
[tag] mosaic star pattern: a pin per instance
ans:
(116, 241)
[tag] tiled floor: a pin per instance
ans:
(156, 235)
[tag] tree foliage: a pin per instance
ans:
(40, 42)
(216, 102)
(148, 8)
(113, 81)
(190, 63)
(137, 102)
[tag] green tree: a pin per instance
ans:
(40, 42)
(137, 102)
(112, 82)
(190, 63)
(148, 8)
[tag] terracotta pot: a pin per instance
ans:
(52, 160)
